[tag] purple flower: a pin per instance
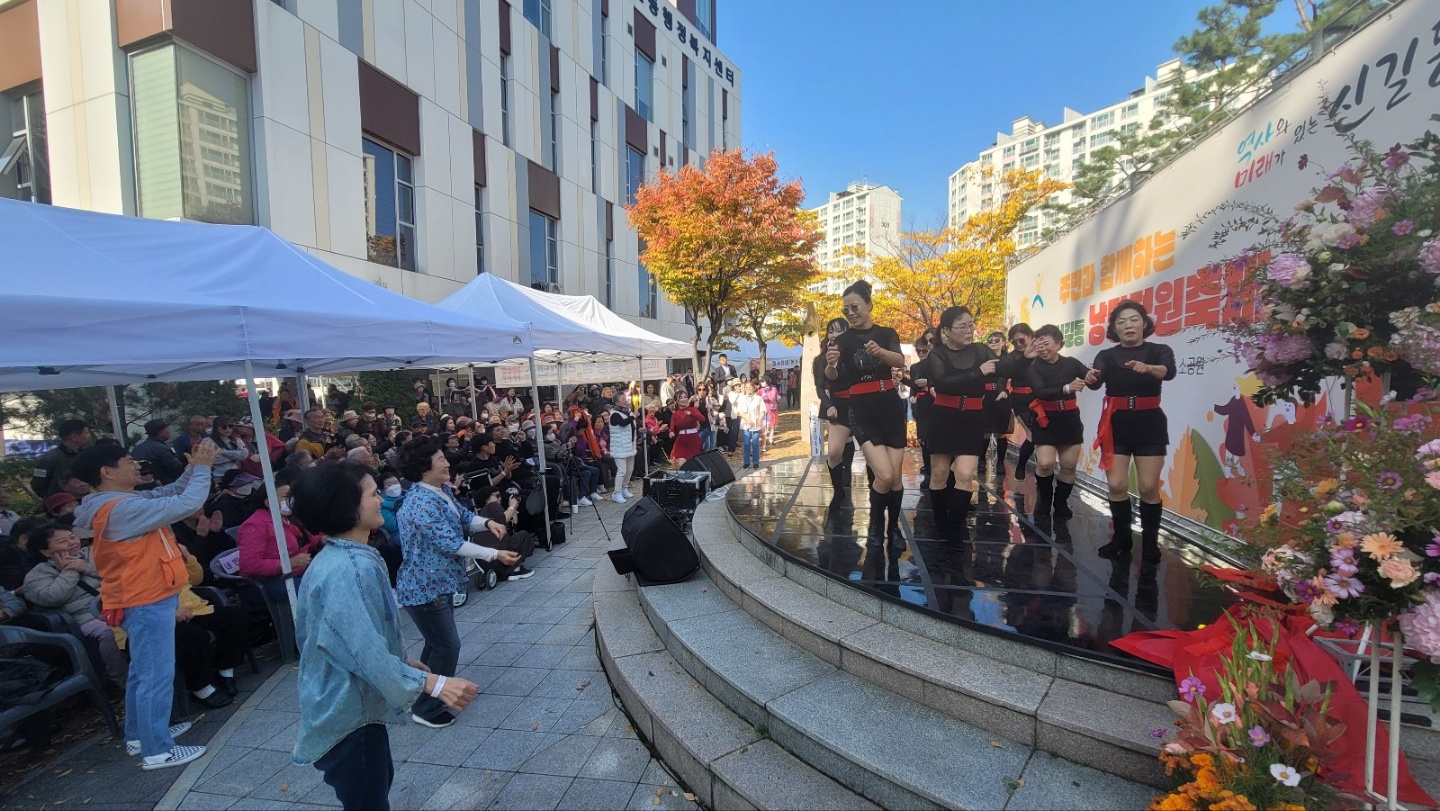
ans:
(1343, 556)
(1356, 424)
(1412, 422)
(1258, 735)
(1430, 257)
(1368, 208)
(1344, 585)
(1157, 734)
(1396, 157)
(1306, 590)
(1191, 688)
(1433, 550)
(1432, 578)
(1422, 394)
(1347, 626)
(1402, 228)
(1303, 162)
(1283, 350)
(1348, 241)
(1288, 270)
(1389, 480)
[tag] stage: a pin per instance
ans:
(1004, 573)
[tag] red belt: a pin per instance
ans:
(1042, 406)
(844, 394)
(871, 388)
(1105, 436)
(1020, 390)
(992, 386)
(962, 403)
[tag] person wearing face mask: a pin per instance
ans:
(392, 495)
(235, 500)
(1133, 426)
(259, 556)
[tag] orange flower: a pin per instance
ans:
(1377, 352)
(1344, 540)
(1208, 779)
(1326, 487)
(1174, 802)
(1391, 355)
(1360, 333)
(1381, 546)
(1202, 760)
(1357, 355)
(1235, 802)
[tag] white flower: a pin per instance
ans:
(1284, 774)
(1336, 267)
(1327, 235)
(1322, 614)
(1337, 350)
(1259, 657)
(1224, 713)
(1425, 233)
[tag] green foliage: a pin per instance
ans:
(1425, 678)
(15, 478)
(394, 388)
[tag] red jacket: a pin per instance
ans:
(258, 555)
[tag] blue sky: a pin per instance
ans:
(902, 92)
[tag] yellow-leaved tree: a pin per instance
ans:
(928, 271)
(729, 236)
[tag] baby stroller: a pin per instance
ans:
(478, 573)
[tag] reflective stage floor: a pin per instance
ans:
(1004, 572)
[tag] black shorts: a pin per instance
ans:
(958, 433)
(1065, 428)
(1141, 450)
(878, 418)
(998, 415)
(1147, 428)
(924, 411)
(842, 412)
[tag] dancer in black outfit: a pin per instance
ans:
(835, 409)
(997, 409)
(1055, 381)
(959, 370)
(922, 402)
(1013, 367)
(865, 356)
(1132, 426)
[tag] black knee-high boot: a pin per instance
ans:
(839, 482)
(1044, 494)
(1150, 532)
(962, 497)
(878, 502)
(1121, 539)
(940, 506)
(892, 521)
(1062, 499)
(1023, 461)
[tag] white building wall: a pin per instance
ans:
(864, 215)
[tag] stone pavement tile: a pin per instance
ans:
(584, 717)
(536, 714)
(543, 656)
(290, 784)
(578, 657)
(452, 745)
(617, 759)
(671, 798)
(487, 711)
(486, 633)
(1052, 783)
(199, 801)
(501, 654)
(621, 727)
(515, 681)
(505, 749)
(588, 794)
(476, 612)
(241, 777)
(467, 790)
(482, 675)
(221, 759)
(261, 727)
(572, 684)
(525, 632)
(582, 614)
(547, 615)
(284, 740)
(407, 737)
(657, 774)
(564, 758)
(415, 782)
(322, 796)
(538, 792)
(564, 635)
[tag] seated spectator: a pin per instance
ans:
(291, 426)
(235, 499)
(299, 460)
(501, 530)
(245, 432)
(197, 429)
(231, 450)
(165, 466)
(260, 557)
(204, 535)
(425, 418)
(362, 455)
(349, 426)
(60, 509)
(315, 439)
(64, 577)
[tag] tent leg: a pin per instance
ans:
(474, 407)
(271, 498)
(539, 444)
(642, 435)
(302, 392)
(117, 420)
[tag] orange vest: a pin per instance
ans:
(136, 572)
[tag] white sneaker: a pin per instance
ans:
(178, 756)
(617, 498)
(585, 502)
(598, 494)
(132, 748)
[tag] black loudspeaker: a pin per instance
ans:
(715, 462)
(656, 549)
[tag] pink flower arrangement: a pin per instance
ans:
(1288, 270)
(1421, 626)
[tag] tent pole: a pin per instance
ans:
(302, 392)
(539, 442)
(474, 408)
(270, 497)
(116, 422)
(642, 434)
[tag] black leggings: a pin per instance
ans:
(197, 657)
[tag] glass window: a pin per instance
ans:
(610, 274)
(594, 157)
(605, 51)
(544, 251)
(505, 99)
(1104, 119)
(479, 229)
(191, 119)
(634, 173)
(554, 132)
(24, 148)
(649, 293)
(389, 206)
(644, 86)
(538, 12)
(702, 18)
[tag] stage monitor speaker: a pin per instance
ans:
(656, 549)
(715, 462)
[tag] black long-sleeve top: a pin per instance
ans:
(956, 372)
(1048, 380)
(1120, 381)
(856, 366)
(1012, 366)
(822, 386)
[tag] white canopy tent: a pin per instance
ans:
(777, 355)
(99, 299)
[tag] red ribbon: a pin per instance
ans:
(1041, 418)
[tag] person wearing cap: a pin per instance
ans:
(369, 419)
(233, 500)
(165, 466)
(349, 426)
(391, 417)
(61, 507)
(52, 470)
(462, 427)
(291, 425)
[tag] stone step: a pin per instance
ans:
(892, 750)
(1088, 712)
(726, 761)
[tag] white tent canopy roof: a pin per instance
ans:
(94, 299)
(561, 323)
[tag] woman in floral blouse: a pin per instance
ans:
(435, 536)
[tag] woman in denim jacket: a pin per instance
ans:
(435, 538)
(352, 672)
